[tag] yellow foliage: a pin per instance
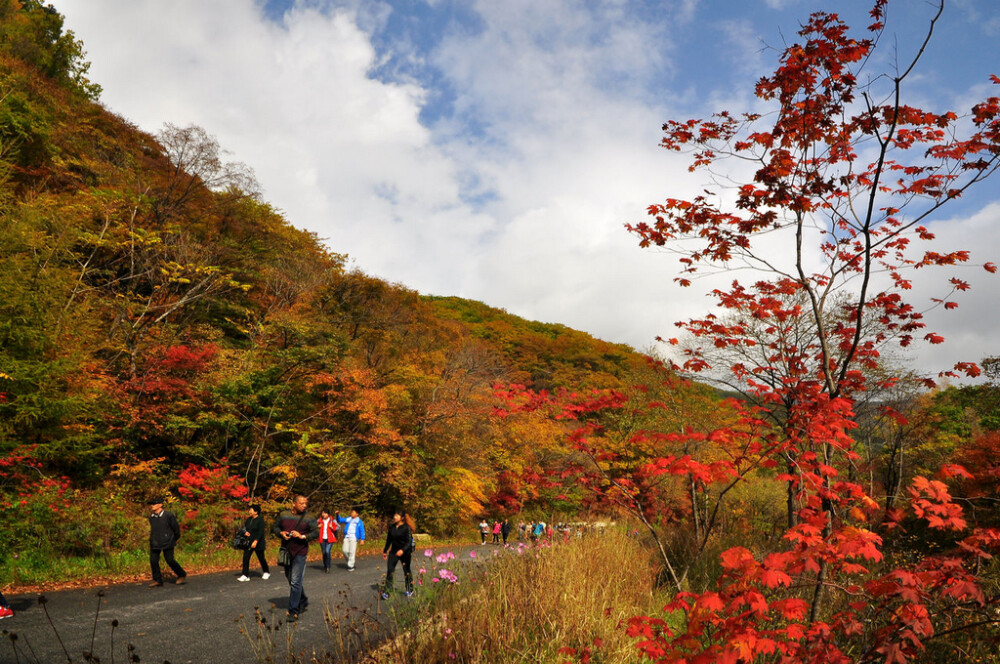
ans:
(137, 469)
(465, 489)
(289, 472)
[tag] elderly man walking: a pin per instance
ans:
(164, 531)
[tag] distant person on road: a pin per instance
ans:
(296, 527)
(5, 610)
(327, 537)
(537, 530)
(484, 530)
(256, 530)
(353, 533)
(398, 548)
(164, 531)
(496, 532)
(505, 529)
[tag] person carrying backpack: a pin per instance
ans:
(399, 545)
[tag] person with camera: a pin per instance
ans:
(256, 531)
(164, 531)
(295, 527)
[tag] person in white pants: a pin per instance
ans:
(353, 529)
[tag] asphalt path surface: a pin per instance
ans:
(198, 622)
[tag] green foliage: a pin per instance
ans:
(32, 31)
(155, 313)
(963, 410)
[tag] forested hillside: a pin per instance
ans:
(163, 330)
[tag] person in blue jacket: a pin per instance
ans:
(353, 534)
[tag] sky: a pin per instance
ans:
(495, 149)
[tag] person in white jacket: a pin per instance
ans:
(353, 534)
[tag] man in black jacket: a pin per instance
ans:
(164, 531)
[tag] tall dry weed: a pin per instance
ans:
(527, 604)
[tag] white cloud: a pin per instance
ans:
(526, 212)
(969, 330)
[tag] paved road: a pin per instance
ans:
(198, 622)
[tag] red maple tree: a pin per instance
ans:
(848, 175)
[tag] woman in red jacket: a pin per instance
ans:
(327, 537)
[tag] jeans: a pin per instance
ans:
(326, 547)
(260, 557)
(168, 557)
(350, 549)
(296, 593)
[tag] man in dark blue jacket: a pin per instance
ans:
(164, 531)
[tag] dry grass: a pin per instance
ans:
(525, 607)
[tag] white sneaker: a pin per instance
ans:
(243, 577)
(265, 576)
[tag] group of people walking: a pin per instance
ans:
(498, 530)
(531, 530)
(295, 527)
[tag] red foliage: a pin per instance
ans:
(982, 455)
(805, 340)
(211, 484)
(22, 482)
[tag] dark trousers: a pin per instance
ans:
(168, 557)
(260, 557)
(390, 569)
